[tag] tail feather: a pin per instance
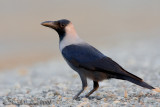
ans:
(136, 80)
(139, 82)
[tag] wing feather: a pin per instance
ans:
(88, 57)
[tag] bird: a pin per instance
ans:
(88, 61)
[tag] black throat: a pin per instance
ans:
(61, 37)
(61, 33)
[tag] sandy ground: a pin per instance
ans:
(53, 83)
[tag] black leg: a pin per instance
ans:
(95, 87)
(84, 85)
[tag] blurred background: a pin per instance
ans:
(104, 24)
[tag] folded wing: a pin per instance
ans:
(88, 57)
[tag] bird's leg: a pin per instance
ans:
(95, 87)
(84, 85)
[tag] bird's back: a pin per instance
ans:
(82, 53)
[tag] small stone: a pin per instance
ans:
(82, 104)
(49, 94)
(125, 93)
(11, 106)
(116, 101)
(105, 105)
(59, 97)
(56, 93)
(104, 99)
(85, 99)
(99, 98)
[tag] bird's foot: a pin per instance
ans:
(75, 97)
(87, 96)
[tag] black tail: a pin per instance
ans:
(139, 82)
(136, 80)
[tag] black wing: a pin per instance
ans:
(88, 57)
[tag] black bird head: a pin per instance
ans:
(59, 26)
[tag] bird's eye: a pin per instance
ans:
(62, 25)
